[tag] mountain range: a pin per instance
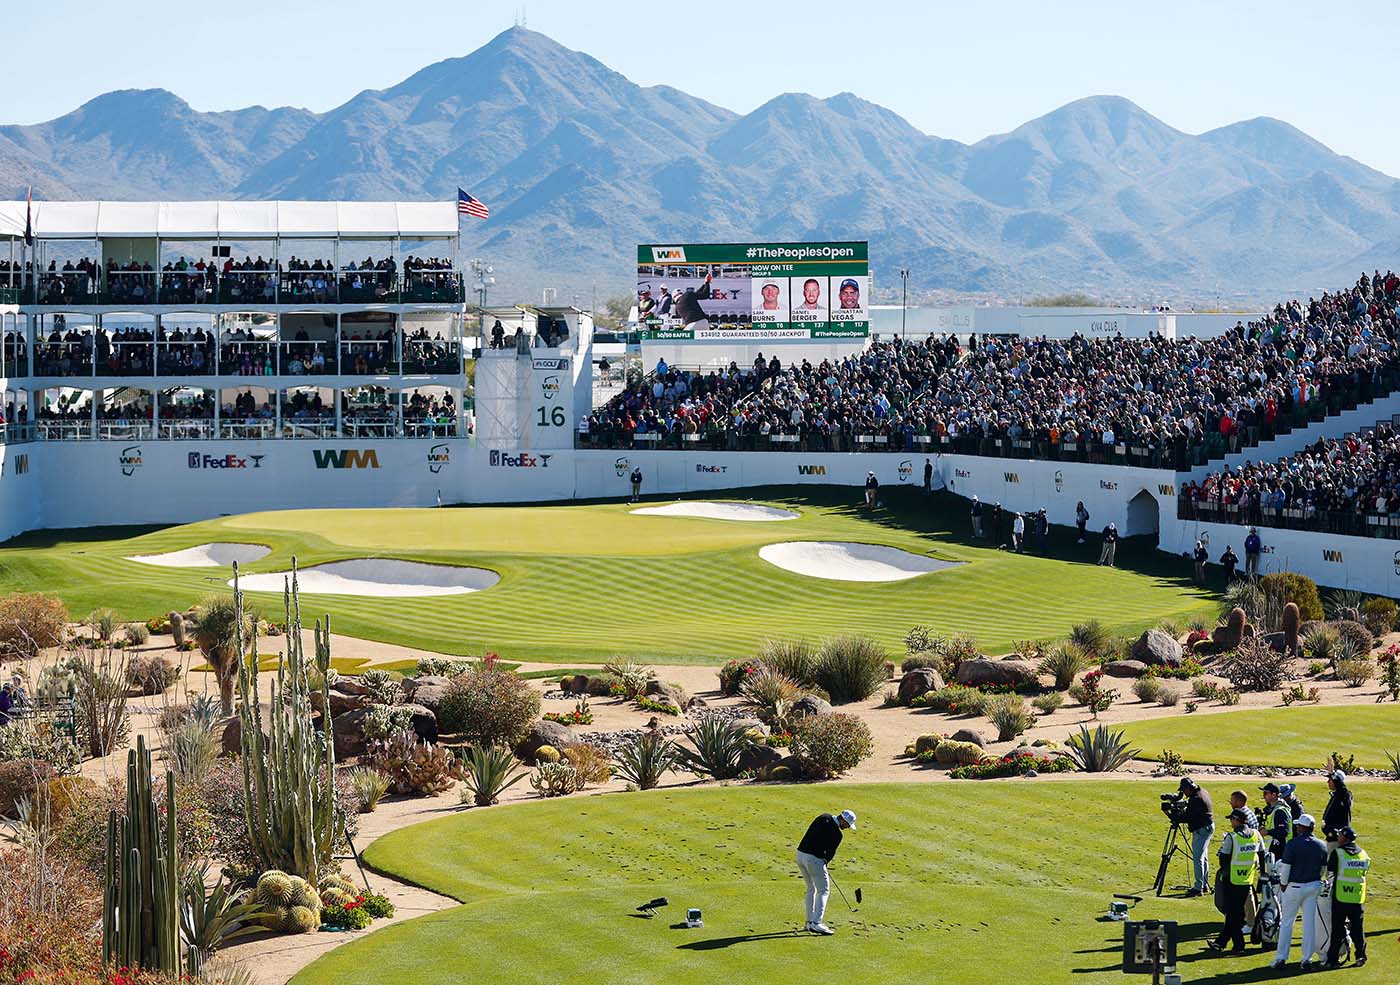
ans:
(579, 164)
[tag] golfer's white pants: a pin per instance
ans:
(1298, 897)
(703, 325)
(818, 885)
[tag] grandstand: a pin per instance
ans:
(201, 358)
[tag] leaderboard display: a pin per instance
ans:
(754, 291)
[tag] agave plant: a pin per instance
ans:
(770, 696)
(1103, 750)
(646, 759)
(716, 748)
(489, 772)
(632, 676)
(1345, 604)
(212, 916)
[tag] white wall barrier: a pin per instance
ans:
(21, 488)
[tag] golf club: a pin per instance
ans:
(843, 894)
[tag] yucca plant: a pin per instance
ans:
(770, 696)
(193, 750)
(1394, 759)
(717, 746)
(849, 668)
(1320, 643)
(1064, 663)
(489, 772)
(211, 916)
(103, 622)
(370, 785)
(645, 760)
(1103, 750)
(791, 658)
(1092, 637)
(222, 629)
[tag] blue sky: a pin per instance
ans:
(955, 70)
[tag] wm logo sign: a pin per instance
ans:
(1333, 556)
(1011, 477)
(811, 470)
(346, 458)
(1166, 489)
(668, 254)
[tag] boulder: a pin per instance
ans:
(343, 701)
(1157, 649)
(969, 735)
(543, 733)
(425, 724)
(430, 695)
(749, 724)
(348, 732)
(412, 684)
(810, 704)
(598, 687)
(351, 685)
(758, 757)
(791, 764)
(577, 684)
(697, 702)
(667, 694)
(918, 682)
(1037, 752)
(230, 733)
(1125, 668)
(979, 671)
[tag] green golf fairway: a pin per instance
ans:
(1288, 737)
(962, 882)
(589, 582)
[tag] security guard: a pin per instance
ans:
(1349, 863)
(1278, 819)
(1239, 869)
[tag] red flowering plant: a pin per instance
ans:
(734, 673)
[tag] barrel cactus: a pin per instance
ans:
(547, 754)
(1291, 620)
(953, 753)
(300, 920)
(290, 904)
(274, 888)
(925, 743)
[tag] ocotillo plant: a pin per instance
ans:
(140, 898)
(288, 772)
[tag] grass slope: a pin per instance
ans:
(967, 882)
(1287, 737)
(587, 582)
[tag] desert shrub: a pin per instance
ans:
(1009, 714)
(137, 634)
(487, 772)
(1049, 702)
(590, 762)
(716, 746)
(1356, 635)
(920, 640)
(103, 623)
(440, 667)
(1064, 663)
(1355, 672)
(554, 779)
(22, 739)
(99, 700)
(30, 622)
(370, 785)
(381, 687)
(849, 668)
(1092, 637)
(1390, 672)
(20, 779)
(643, 761)
(490, 707)
(412, 766)
(956, 699)
(733, 674)
(829, 745)
(1147, 689)
(770, 695)
(1204, 687)
(151, 673)
(1100, 751)
(1379, 615)
(1168, 696)
(1172, 764)
(1090, 692)
(926, 743)
(632, 678)
(1171, 627)
(921, 661)
(1282, 587)
(192, 749)
(791, 658)
(1228, 696)
(1256, 666)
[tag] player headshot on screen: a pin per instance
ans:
(811, 294)
(770, 297)
(849, 294)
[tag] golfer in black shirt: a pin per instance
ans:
(817, 848)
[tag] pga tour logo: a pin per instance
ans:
(230, 461)
(500, 459)
(130, 459)
(905, 470)
(438, 456)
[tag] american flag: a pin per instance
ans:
(466, 205)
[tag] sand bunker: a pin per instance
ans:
(721, 511)
(849, 562)
(206, 556)
(377, 578)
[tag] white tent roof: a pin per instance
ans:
(231, 220)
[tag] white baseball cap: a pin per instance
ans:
(849, 817)
(1305, 821)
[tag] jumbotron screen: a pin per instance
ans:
(752, 291)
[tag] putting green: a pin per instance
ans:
(967, 882)
(590, 582)
(1293, 737)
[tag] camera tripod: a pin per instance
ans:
(1173, 846)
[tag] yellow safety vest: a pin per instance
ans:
(1244, 857)
(1352, 863)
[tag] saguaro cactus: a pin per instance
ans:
(289, 772)
(140, 898)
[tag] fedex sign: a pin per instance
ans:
(229, 461)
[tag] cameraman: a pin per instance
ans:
(1239, 868)
(1200, 821)
(1278, 819)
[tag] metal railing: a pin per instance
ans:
(125, 430)
(187, 428)
(1349, 523)
(63, 430)
(214, 286)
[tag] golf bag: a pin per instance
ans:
(1324, 924)
(1264, 927)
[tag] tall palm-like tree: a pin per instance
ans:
(217, 636)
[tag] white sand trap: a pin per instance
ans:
(379, 578)
(206, 556)
(849, 562)
(721, 511)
